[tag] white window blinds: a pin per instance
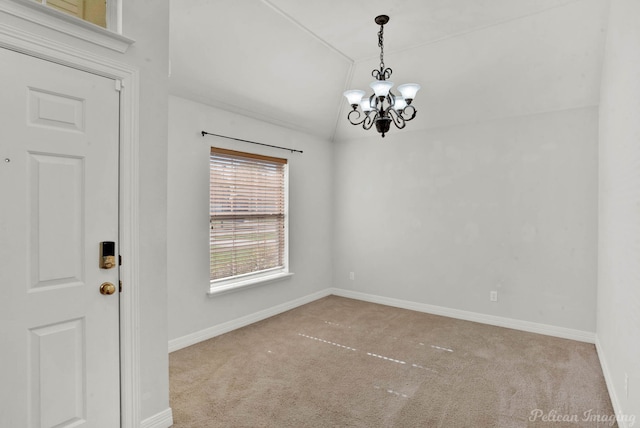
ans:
(247, 213)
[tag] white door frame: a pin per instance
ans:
(21, 41)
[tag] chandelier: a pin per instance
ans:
(383, 107)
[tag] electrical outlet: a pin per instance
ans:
(352, 276)
(493, 296)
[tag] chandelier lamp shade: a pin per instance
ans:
(383, 107)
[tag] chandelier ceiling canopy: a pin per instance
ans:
(383, 107)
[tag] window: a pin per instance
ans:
(94, 11)
(248, 219)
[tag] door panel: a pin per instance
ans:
(59, 349)
(55, 110)
(56, 244)
(57, 375)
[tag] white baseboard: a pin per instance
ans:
(532, 327)
(608, 378)
(216, 330)
(163, 419)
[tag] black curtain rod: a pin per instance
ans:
(252, 142)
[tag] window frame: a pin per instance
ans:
(46, 16)
(247, 280)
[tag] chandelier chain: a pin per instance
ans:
(381, 44)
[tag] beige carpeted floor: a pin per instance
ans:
(340, 362)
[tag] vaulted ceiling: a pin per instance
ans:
(288, 61)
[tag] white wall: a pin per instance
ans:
(146, 22)
(493, 186)
(190, 309)
(442, 217)
(619, 215)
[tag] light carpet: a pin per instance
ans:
(339, 362)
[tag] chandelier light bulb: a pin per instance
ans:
(399, 104)
(381, 87)
(365, 105)
(354, 96)
(409, 91)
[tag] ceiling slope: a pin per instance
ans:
(287, 62)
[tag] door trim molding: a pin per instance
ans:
(18, 40)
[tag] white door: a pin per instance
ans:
(59, 336)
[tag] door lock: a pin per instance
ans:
(107, 255)
(107, 288)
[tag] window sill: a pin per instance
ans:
(247, 283)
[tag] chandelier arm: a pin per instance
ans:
(354, 120)
(391, 99)
(409, 113)
(368, 121)
(396, 117)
